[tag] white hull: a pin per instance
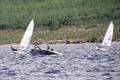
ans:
(102, 49)
(20, 52)
(55, 52)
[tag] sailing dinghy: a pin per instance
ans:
(49, 51)
(107, 40)
(36, 50)
(25, 40)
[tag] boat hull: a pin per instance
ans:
(44, 52)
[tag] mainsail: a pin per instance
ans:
(27, 36)
(108, 36)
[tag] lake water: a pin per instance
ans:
(79, 62)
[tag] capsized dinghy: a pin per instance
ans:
(37, 50)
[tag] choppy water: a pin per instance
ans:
(79, 62)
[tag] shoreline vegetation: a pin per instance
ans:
(58, 21)
(66, 35)
(54, 14)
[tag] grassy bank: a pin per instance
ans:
(57, 13)
(78, 34)
(80, 20)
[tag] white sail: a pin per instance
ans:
(27, 36)
(108, 36)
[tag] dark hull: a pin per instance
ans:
(42, 52)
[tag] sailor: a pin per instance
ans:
(52, 49)
(99, 45)
(48, 48)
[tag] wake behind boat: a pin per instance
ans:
(107, 40)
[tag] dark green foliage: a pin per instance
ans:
(93, 39)
(53, 13)
(53, 25)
